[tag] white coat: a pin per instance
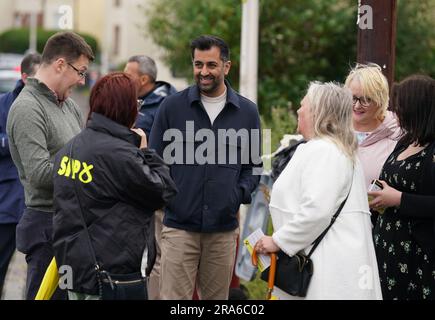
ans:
(304, 198)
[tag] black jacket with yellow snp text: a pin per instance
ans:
(103, 175)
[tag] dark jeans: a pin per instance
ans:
(7, 249)
(34, 239)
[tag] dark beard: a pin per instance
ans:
(212, 87)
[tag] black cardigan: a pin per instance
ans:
(421, 207)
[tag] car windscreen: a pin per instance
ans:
(7, 85)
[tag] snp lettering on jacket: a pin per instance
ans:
(72, 168)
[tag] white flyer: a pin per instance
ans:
(250, 241)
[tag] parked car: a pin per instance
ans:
(10, 61)
(8, 80)
(9, 71)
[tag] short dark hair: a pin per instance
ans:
(206, 42)
(29, 62)
(414, 103)
(67, 44)
(114, 96)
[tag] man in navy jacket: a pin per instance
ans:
(210, 137)
(150, 92)
(11, 190)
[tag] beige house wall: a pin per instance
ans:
(131, 19)
(6, 7)
(89, 17)
(99, 19)
(26, 6)
(52, 14)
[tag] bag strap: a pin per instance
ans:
(88, 237)
(322, 235)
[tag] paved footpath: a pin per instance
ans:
(15, 282)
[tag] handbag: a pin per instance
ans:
(293, 274)
(130, 286)
(111, 286)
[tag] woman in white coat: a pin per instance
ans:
(308, 193)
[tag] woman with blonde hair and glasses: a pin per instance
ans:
(322, 174)
(376, 128)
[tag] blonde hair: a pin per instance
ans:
(331, 107)
(374, 85)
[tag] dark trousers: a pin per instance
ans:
(34, 239)
(7, 249)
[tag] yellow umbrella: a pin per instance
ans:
(49, 283)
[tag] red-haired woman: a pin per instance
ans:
(107, 185)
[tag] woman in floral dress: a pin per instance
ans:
(405, 234)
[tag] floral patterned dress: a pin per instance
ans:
(405, 270)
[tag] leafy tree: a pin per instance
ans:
(299, 41)
(415, 45)
(17, 40)
(302, 41)
(174, 23)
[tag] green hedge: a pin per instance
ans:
(17, 40)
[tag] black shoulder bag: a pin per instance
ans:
(293, 274)
(132, 286)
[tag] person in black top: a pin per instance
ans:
(405, 234)
(108, 181)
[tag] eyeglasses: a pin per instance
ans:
(82, 74)
(363, 101)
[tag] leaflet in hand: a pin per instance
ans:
(250, 241)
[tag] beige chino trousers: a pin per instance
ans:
(204, 259)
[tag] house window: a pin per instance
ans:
(22, 20)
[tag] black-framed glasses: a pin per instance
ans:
(82, 74)
(363, 101)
